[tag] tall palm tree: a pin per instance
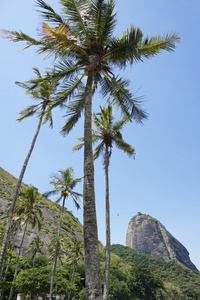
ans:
(107, 133)
(35, 247)
(29, 212)
(82, 38)
(64, 185)
(44, 93)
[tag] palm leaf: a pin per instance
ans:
(120, 95)
(48, 13)
(104, 19)
(78, 14)
(15, 36)
(74, 113)
(133, 48)
(59, 39)
(29, 111)
(122, 145)
(98, 150)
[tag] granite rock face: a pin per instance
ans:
(148, 235)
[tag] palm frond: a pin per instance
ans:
(75, 109)
(119, 93)
(123, 51)
(78, 147)
(59, 39)
(149, 47)
(61, 71)
(133, 48)
(104, 20)
(78, 13)
(50, 193)
(67, 91)
(30, 111)
(48, 13)
(127, 148)
(15, 36)
(98, 150)
(120, 124)
(47, 116)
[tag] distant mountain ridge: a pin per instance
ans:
(51, 216)
(149, 236)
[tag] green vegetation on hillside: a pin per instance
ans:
(173, 275)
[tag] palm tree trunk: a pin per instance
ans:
(34, 261)
(56, 251)
(71, 278)
(16, 268)
(14, 201)
(92, 260)
(107, 267)
(9, 260)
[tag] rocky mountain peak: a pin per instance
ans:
(148, 235)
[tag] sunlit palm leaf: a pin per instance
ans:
(78, 14)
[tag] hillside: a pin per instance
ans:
(174, 276)
(51, 214)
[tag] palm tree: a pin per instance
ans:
(29, 212)
(35, 247)
(83, 40)
(75, 253)
(61, 249)
(107, 133)
(44, 93)
(64, 185)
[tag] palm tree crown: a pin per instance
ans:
(83, 38)
(44, 92)
(107, 133)
(28, 208)
(64, 184)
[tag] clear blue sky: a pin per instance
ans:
(163, 180)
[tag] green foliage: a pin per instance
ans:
(34, 282)
(119, 290)
(143, 284)
(169, 272)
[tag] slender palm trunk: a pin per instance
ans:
(92, 259)
(107, 267)
(56, 252)
(34, 261)
(14, 201)
(9, 260)
(16, 268)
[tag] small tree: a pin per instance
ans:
(35, 247)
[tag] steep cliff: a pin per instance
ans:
(149, 236)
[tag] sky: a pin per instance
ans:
(163, 179)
